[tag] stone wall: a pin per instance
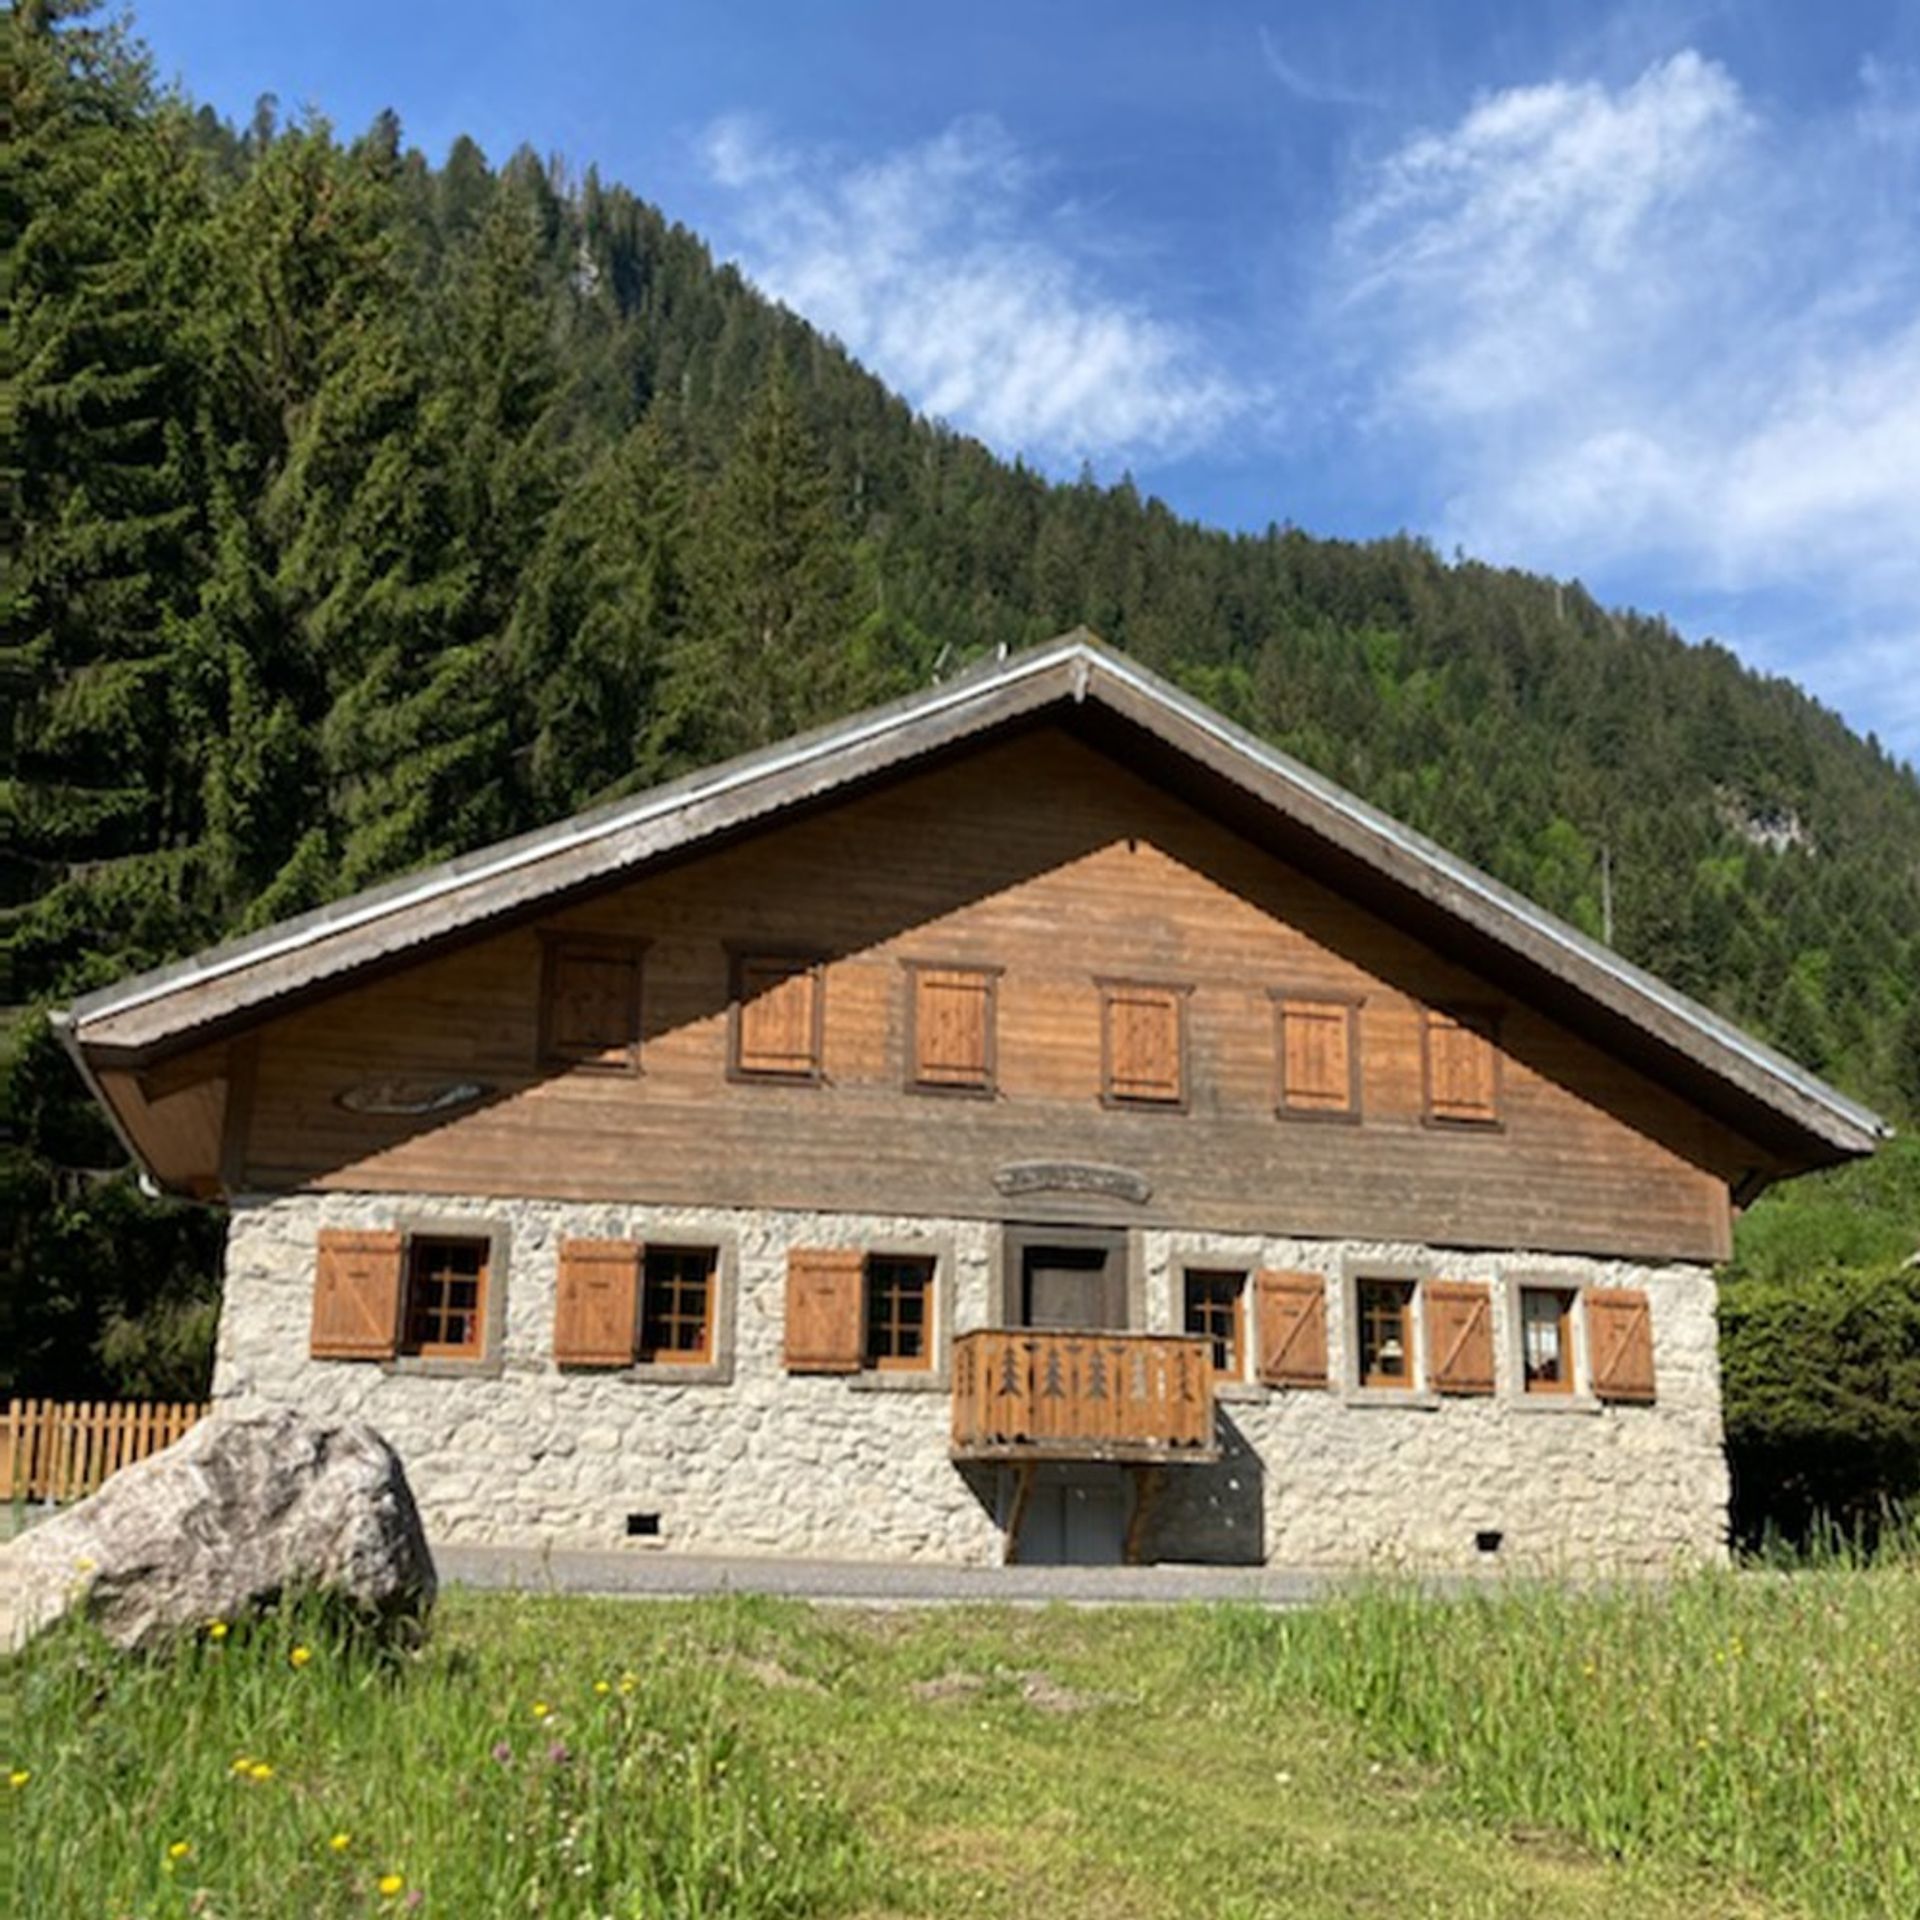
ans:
(757, 1460)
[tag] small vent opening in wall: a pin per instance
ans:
(643, 1526)
(1488, 1539)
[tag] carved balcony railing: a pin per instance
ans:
(1024, 1394)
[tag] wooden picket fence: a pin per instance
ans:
(63, 1449)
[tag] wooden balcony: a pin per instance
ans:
(1023, 1394)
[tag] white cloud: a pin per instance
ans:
(1650, 331)
(939, 268)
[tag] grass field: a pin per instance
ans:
(1742, 1747)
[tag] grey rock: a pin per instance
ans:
(242, 1510)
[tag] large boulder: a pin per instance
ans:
(244, 1509)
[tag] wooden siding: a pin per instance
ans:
(1046, 860)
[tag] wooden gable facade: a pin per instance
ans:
(1053, 938)
(1121, 981)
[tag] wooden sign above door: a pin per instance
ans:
(1073, 1176)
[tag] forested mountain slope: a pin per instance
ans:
(364, 511)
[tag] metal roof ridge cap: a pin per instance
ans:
(851, 733)
(1143, 680)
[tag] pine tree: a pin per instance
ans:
(773, 594)
(98, 195)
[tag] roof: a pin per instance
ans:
(154, 1015)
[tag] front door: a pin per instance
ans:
(1075, 1287)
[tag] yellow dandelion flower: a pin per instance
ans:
(241, 1763)
(299, 1656)
(390, 1884)
(341, 1842)
(216, 1629)
(541, 1709)
(602, 1686)
(19, 1776)
(180, 1849)
(259, 1771)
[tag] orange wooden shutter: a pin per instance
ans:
(596, 1303)
(1143, 1043)
(356, 1295)
(824, 1287)
(1316, 1056)
(952, 1027)
(593, 1005)
(1620, 1340)
(1459, 1336)
(1462, 1074)
(778, 1016)
(1293, 1328)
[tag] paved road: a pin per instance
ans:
(643, 1571)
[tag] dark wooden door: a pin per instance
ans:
(1078, 1288)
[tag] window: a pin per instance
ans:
(1546, 1340)
(777, 1017)
(950, 1028)
(1319, 1056)
(1386, 1333)
(590, 1004)
(446, 1298)
(851, 1311)
(1215, 1308)
(1462, 1068)
(430, 1293)
(1143, 1034)
(676, 1306)
(899, 1313)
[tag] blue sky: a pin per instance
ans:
(1629, 294)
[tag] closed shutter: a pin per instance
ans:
(1463, 1078)
(952, 1028)
(593, 1006)
(1143, 1044)
(778, 1014)
(1620, 1343)
(356, 1295)
(1317, 1057)
(1459, 1336)
(1293, 1328)
(596, 1303)
(824, 1288)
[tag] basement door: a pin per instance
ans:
(1076, 1516)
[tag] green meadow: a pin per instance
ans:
(1740, 1745)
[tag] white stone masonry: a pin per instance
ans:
(760, 1461)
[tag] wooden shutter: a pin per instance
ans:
(777, 1011)
(1143, 1043)
(1293, 1328)
(952, 1027)
(1318, 1060)
(824, 1289)
(590, 1012)
(1459, 1336)
(1463, 1075)
(357, 1287)
(596, 1303)
(1620, 1343)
